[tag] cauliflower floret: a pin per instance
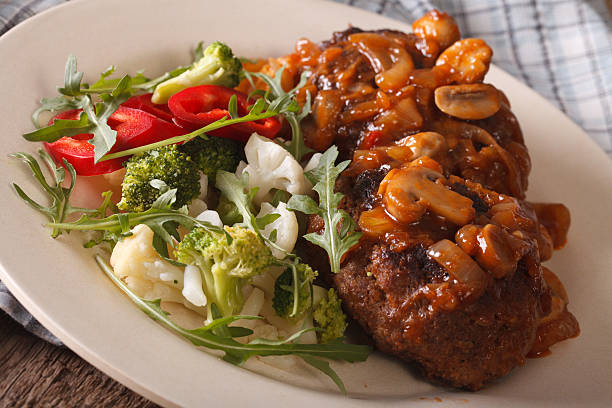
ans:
(192, 289)
(286, 227)
(270, 166)
(198, 205)
(135, 261)
(211, 217)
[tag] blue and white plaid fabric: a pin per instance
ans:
(560, 48)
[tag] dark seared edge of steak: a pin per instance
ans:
(463, 348)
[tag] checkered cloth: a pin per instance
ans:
(560, 48)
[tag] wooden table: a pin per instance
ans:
(36, 373)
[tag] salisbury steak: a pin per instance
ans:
(464, 321)
(447, 272)
(464, 347)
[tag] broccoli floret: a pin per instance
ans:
(225, 266)
(213, 153)
(328, 315)
(283, 300)
(167, 164)
(218, 66)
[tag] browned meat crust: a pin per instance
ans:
(448, 272)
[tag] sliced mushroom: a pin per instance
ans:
(468, 101)
(495, 249)
(409, 192)
(460, 267)
(466, 61)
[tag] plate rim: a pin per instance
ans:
(90, 355)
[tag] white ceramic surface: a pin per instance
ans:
(60, 284)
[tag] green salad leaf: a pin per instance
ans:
(292, 113)
(339, 235)
(59, 196)
(98, 101)
(259, 110)
(217, 335)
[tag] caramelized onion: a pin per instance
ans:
(389, 59)
(376, 222)
(556, 218)
(460, 266)
(494, 248)
(401, 117)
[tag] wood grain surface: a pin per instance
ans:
(34, 373)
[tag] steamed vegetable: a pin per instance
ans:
(226, 264)
(285, 288)
(217, 66)
(168, 164)
(211, 154)
(160, 249)
(270, 166)
(217, 335)
(330, 318)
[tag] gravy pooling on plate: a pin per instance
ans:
(448, 273)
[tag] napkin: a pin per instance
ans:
(560, 48)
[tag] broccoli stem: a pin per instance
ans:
(206, 338)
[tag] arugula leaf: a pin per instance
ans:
(218, 336)
(324, 367)
(72, 78)
(60, 207)
(104, 137)
(61, 128)
(236, 191)
(59, 103)
(339, 235)
(109, 94)
(292, 111)
(257, 112)
(163, 221)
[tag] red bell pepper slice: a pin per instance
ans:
(143, 102)
(196, 107)
(134, 128)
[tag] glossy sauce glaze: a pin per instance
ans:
(448, 269)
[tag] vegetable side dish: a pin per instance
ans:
(233, 202)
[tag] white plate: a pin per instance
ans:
(61, 285)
